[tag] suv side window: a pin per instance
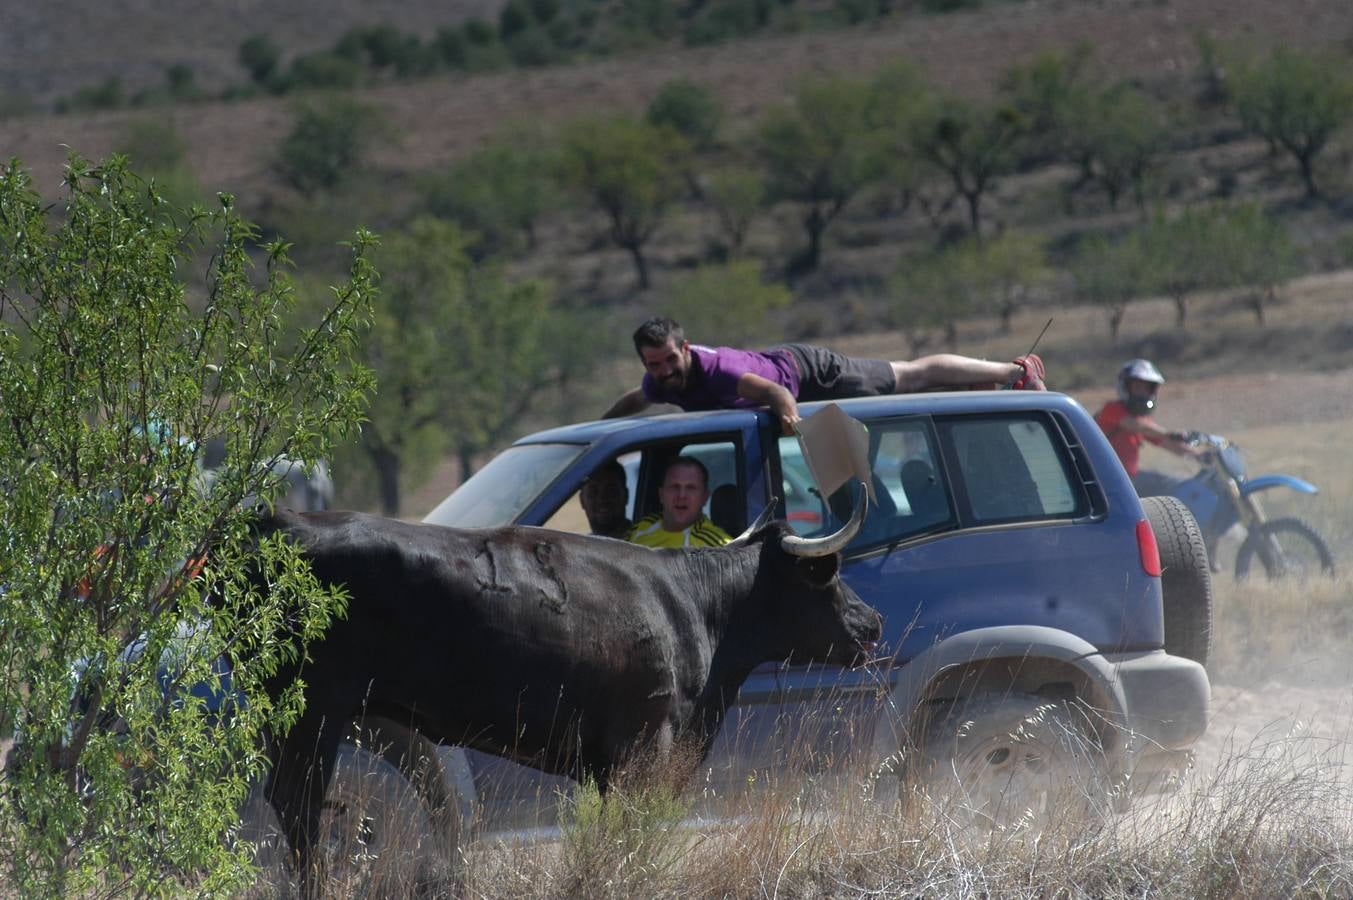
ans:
(908, 482)
(1010, 468)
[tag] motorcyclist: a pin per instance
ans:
(1127, 421)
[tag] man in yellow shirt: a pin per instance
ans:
(682, 522)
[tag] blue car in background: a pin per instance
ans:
(1030, 638)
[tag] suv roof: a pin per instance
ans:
(866, 408)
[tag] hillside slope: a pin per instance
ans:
(51, 49)
(441, 118)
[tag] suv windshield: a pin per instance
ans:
(499, 492)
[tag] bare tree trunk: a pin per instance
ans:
(387, 465)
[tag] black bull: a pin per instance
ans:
(561, 651)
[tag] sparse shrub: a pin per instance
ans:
(533, 47)
(325, 144)
(727, 21)
(690, 109)
(479, 33)
(854, 12)
(628, 840)
(513, 19)
(260, 58)
(323, 70)
(106, 95)
(545, 10)
(450, 46)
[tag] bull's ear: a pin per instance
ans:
(818, 569)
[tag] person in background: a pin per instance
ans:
(695, 377)
(1127, 422)
(604, 496)
(682, 522)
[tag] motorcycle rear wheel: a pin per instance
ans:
(1286, 548)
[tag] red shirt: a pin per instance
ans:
(1127, 444)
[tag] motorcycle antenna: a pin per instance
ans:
(1034, 345)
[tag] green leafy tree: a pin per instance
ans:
(1009, 268)
(897, 97)
(459, 352)
(730, 300)
(111, 378)
(1115, 136)
(405, 431)
(1254, 252)
(1181, 255)
(971, 142)
(1111, 274)
(631, 171)
(818, 152)
(1296, 100)
(934, 292)
(1045, 92)
(736, 195)
(326, 143)
(500, 191)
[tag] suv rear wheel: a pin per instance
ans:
(997, 761)
(1185, 580)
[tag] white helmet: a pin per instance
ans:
(1140, 370)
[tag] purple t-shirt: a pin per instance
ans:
(713, 379)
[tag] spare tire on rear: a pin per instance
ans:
(1185, 580)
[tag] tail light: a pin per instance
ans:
(1147, 549)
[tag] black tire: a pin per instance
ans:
(1185, 579)
(994, 762)
(1304, 551)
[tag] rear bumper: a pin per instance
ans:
(1165, 699)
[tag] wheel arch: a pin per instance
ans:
(1028, 659)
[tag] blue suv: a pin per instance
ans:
(1027, 594)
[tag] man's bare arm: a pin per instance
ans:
(1151, 430)
(780, 400)
(630, 402)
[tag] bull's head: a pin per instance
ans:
(821, 617)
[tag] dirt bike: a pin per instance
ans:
(1222, 495)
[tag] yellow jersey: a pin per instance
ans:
(702, 533)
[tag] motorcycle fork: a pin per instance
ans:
(1252, 514)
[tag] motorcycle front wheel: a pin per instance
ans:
(1286, 548)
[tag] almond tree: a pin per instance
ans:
(1296, 100)
(632, 171)
(122, 577)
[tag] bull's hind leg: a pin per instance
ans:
(302, 767)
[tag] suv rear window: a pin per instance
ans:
(1011, 468)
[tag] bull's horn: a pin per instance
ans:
(832, 543)
(765, 516)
